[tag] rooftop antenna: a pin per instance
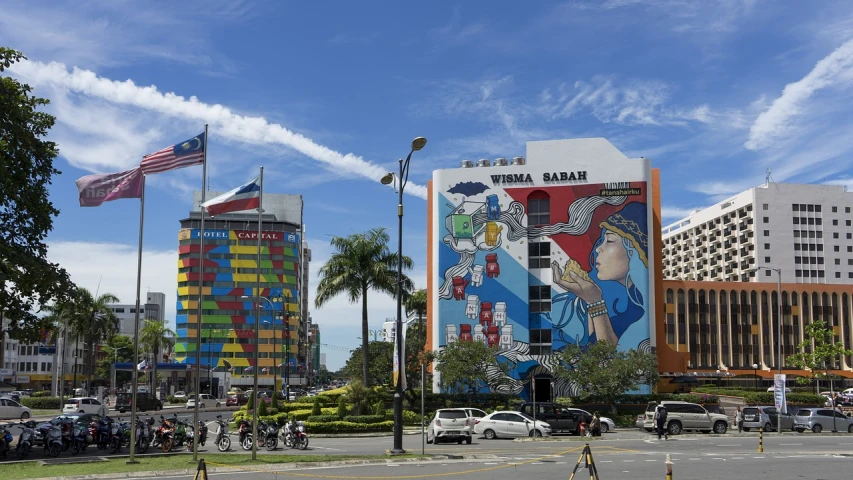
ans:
(768, 178)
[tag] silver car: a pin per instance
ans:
(819, 419)
(766, 417)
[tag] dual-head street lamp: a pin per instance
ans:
(401, 180)
(779, 325)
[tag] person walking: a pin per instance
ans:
(660, 420)
(739, 419)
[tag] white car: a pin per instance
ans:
(849, 391)
(474, 413)
(12, 409)
(506, 424)
(180, 395)
(450, 425)
(84, 405)
(205, 400)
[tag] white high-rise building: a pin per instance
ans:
(153, 308)
(805, 230)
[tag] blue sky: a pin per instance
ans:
(327, 96)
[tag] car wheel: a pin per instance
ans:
(720, 428)
(218, 405)
(674, 428)
(121, 411)
(799, 430)
(25, 415)
(817, 428)
(605, 428)
(490, 434)
(850, 429)
(745, 429)
(768, 427)
(459, 442)
(157, 408)
(535, 433)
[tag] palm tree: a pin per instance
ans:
(156, 338)
(416, 304)
(361, 262)
(93, 320)
(59, 314)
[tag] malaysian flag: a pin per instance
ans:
(179, 155)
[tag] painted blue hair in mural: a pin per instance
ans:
(607, 303)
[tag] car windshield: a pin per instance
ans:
(804, 413)
(71, 402)
(453, 414)
(525, 415)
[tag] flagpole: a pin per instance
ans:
(257, 322)
(135, 375)
(197, 377)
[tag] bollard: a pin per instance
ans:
(761, 440)
(668, 464)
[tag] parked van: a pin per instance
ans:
(686, 416)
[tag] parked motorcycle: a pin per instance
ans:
(53, 440)
(297, 436)
(25, 441)
(81, 438)
(245, 434)
(5, 440)
(143, 434)
(201, 434)
(223, 440)
(271, 434)
(103, 432)
(180, 432)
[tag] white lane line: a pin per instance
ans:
(627, 461)
(490, 463)
(791, 444)
(329, 448)
(605, 461)
(651, 460)
(694, 459)
(758, 457)
(393, 465)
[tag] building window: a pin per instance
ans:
(539, 254)
(540, 341)
(834, 209)
(838, 261)
(796, 233)
(796, 246)
(818, 221)
(767, 246)
(847, 222)
(540, 298)
(538, 209)
(849, 249)
(767, 233)
(846, 209)
(766, 259)
(836, 248)
(850, 261)
(767, 273)
(835, 222)
(849, 236)
(797, 260)
(821, 273)
(837, 274)
(796, 220)
(766, 219)
(795, 207)
(817, 208)
(849, 274)
(764, 206)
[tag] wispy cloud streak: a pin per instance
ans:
(239, 128)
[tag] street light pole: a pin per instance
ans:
(755, 376)
(778, 328)
(403, 178)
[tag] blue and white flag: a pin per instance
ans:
(143, 365)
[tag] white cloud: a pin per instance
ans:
(113, 267)
(836, 69)
(223, 122)
(846, 182)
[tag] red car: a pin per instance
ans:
(236, 399)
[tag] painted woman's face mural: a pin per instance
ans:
(529, 287)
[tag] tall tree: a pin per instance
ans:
(27, 279)
(464, 366)
(59, 315)
(601, 372)
(118, 348)
(94, 322)
(818, 351)
(379, 369)
(361, 262)
(157, 339)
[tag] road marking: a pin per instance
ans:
(791, 444)
(605, 461)
(757, 457)
(393, 465)
(490, 463)
(737, 458)
(694, 459)
(627, 461)
(651, 460)
(328, 448)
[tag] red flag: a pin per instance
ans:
(97, 189)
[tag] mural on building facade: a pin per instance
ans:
(530, 270)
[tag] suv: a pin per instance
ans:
(766, 417)
(451, 425)
(561, 418)
(686, 416)
(817, 419)
(144, 401)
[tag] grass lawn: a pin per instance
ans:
(171, 462)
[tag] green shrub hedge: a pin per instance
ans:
(41, 403)
(766, 398)
(364, 418)
(348, 427)
(323, 418)
(41, 394)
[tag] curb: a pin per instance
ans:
(276, 467)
